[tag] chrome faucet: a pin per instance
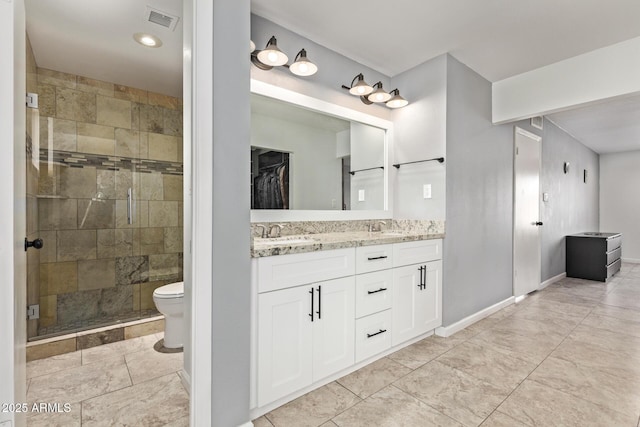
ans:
(278, 228)
(376, 226)
(264, 230)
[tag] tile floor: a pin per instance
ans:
(565, 356)
(126, 383)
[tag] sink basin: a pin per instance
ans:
(285, 240)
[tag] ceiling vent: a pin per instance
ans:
(161, 18)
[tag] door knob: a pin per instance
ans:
(36, 243)
(538, 223)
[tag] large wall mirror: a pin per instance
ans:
(312, 160)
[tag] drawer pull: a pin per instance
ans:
(381, 331)
(375, 292)
(377, 257)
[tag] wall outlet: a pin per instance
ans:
(361, 195)
(333, 203)
(426, 191)
(545, 197)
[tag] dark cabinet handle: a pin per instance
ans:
(538, 223)
(424, 278)
(381, 331)
(377, 257)
(36, 243)
(375, 292)
(319, 302)
(311, 314)
(422, 269)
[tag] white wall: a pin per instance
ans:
(13, 298)
(620, 199)
(314, 170)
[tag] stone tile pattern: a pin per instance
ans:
(97, 140)
(564, 356)
(123, 383)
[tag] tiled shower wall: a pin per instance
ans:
(97, 140)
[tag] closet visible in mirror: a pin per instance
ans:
(303, 159)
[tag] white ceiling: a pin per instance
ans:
(496, 38)
(94, 38)
(606, 127)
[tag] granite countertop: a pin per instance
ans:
(297, 244)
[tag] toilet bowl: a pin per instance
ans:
(169, 300)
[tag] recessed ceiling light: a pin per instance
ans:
(147, 40)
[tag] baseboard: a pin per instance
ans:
(447, 331)
(554, 279)
(186, 380)
(631, 260)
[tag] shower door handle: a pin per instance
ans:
(129, 206)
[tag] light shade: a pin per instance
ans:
(397, 101)
(271, 55)
(361, 88)
(302, 66)
(379, 95)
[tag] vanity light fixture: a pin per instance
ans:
(379, 94)
(375, 94)
(271, 56)
(252, 46)
(397, 101)
(302, 66)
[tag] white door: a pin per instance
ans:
(13, 289)
(334, 327)
(407, 287)
(284, 342)
(526, 221)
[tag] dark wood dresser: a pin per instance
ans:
(594, 256)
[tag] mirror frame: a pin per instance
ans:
(274, 215)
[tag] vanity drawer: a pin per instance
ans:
(373, 258)
(408, 253)
(373, 335)
(285, 271)
(373, 292)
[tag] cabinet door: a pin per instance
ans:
(429, 308)
(417, 301)
(334, 327)
(284, 342)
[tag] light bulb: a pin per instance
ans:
(273, 57)
(147, 40)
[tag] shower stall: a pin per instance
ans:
(105, 194)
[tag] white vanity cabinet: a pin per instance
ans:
(321, 314)
(305, 331)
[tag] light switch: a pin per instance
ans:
(361, 195)
(426, 191)
(545, 197)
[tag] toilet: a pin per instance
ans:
(169, 300)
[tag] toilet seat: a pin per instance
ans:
(172, 290)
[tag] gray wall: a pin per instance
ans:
(231, 290)
(479, 157)
(573, 206)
